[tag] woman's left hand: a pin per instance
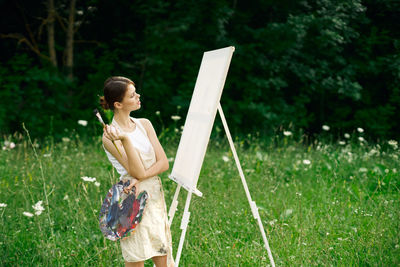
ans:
(128, 188)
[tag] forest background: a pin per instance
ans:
(298, 65)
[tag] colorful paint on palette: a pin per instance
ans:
(120, 213)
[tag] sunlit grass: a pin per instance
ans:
(321, 204)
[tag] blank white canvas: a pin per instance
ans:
(200, 118)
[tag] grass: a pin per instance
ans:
(340, 209)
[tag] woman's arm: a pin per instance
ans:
(130, 158)
(162, 163)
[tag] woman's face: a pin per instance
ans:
(131, 99)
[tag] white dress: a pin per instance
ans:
(152, 237)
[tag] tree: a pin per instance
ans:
(69, 46)
(50, 32)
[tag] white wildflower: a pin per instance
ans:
(361, 139)
(373, 152)
(38, 207)
(158, 113)
(360, 130)
(27, 214)
(170, 159)
(47, 155)
(176, 130)
(97, 184)
(393, 143)
(347, 136)
(38, 212)
(306, 162)
(82, 122)
(3, 205)
(342, 143)
(325, 127)
(225, 158)
(386, 170)
(65, 139)
(362, 169)
(272, 222)
(175, 117)
(286, 214)
(287, 133)
(88, 179)
(394, 170)
(66, 197)
(8, 144)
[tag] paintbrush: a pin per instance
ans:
(97, 114)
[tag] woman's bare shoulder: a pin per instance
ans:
(146, 123)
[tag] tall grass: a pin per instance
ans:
(321, 204)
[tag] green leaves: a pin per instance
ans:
(296, 62)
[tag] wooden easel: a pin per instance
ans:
(186, 213)
(192, 148)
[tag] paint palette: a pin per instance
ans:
(120, 212)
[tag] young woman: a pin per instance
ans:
(143, 158)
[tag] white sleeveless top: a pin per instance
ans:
(139, 140)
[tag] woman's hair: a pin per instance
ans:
(114, 91)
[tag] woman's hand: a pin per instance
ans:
(133, 183)
(113, 133)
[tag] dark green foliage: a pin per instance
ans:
(297, 64)
(40, 97)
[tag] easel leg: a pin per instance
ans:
(174, 205)
(184, 224)
(253, 205)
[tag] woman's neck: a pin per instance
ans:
(123, 120)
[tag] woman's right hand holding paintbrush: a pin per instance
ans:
(113, 133)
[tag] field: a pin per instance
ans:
(324, 203)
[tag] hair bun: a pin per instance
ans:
(103, 103)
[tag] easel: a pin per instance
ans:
(186, 213)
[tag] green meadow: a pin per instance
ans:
(322, 203)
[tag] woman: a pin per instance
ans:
(140, 159)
